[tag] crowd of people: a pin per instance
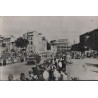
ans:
(11, 58)
(84, 54)
(52, 69)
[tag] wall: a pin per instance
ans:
(90, 39)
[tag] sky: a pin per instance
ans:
(52, 27)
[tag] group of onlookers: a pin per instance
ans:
(52, 69)
(85, 54)
(11, 59)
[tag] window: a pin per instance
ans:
(31, 43)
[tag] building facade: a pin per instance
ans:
(13, 45)
(90, 40)
(7, 43)
(53, 46)
(63, 45)
(37, 43)
(1, 42)
(44, 44)
(30, 37)
(60, 46)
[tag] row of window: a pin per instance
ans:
(30, 47)
(30, 51)
(29, 38)
(31, 43)
(63, 47)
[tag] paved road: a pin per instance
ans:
(85, 72)
(74, 70)
(16, 70)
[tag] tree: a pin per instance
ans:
(22, 43)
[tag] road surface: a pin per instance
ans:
(82, 70)
(78, 68)
(16, 70)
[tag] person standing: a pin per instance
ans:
(46, 75)
(10, 77)
(63, 65)
(64, 75)
(56, 75)
(22, 77)
(4, 62)
(60, 65)
(0, 62)
(68, 58)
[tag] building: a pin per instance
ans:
(60, 46)
(13, 45)
(30, 37)
(53, 46)
(44, 44)
(63, 45)
(37, 43)
(7, 43)
(1, 40)
(89, 40)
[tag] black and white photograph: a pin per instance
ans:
(48, 48)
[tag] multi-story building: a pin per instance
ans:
(60, 46)
(63, 45)
(30, 37)
(13, 45)
(44, 44)
(1, 42)
(89, 40)
(6, 43)
(53, 46)
(36, 42)
(39, 44)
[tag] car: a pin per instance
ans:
(31, 60)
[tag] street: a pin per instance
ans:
(16, 70)
(76, 69)
(80, 69)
